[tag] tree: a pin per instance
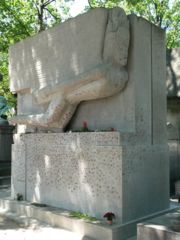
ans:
(20, 19)
(15, 24)
(104, 3)
(4, 80)
(163, 13)
(47, 14)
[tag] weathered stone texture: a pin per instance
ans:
(18, 177)
(144, 184)
(125, 171)
(80, 172)
(165, 227)
(93, 67)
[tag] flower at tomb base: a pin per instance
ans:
(110, 216)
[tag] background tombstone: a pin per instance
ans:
(6, 140)
(173, 124)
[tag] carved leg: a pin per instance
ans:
(112, 81)
(57, 115)
(66, 116)
(86, 92)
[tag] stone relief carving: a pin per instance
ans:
(104, 80)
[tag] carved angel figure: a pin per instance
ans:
(105, 78)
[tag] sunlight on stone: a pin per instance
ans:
(74, 64)
(42, 233)
(160, 227)
(78, 142)
(22, 128)
(178, 93)
(73, 146)
(33, 53)
(37, 194)
(41, 75)
(47, 161)
(38, 178)
(82, 169)
(88, 190)
(36, 197)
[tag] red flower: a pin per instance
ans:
(85, 125)
(109, 215)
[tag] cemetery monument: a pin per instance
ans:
(108, 70)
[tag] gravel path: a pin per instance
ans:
(11, 230)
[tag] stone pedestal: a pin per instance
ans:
(90, 172)
(165, 227)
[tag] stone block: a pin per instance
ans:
(72, 172)
(56, 60)
(160, 228)
(145, 191)
(95, 176)
(159, 111)
(100, 171)
(18, 169)
(93, 67)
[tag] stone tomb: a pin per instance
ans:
(165, 227)
(107, 69)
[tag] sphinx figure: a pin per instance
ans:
(102, 75)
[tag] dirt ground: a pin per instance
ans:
(6, 223)
(11, 230)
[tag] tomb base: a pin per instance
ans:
(91, 172)
(24, 212)
(165, 227)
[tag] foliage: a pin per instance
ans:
(4, 84)
(80, 215)
(22, 18)
(163, 13)
(18, 20)
(5, 110)
(16, 24)
(104, 3)
(19, 197)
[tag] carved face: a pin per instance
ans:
(117, 38)
(117, 19)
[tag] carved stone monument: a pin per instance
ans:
(92, 66)
(107, 69)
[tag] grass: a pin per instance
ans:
(83, 216)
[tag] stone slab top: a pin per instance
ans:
(169, 222)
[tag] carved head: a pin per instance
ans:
(117, 38)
